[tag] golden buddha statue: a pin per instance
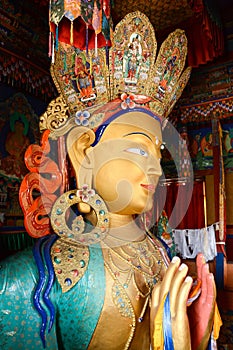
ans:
(99, 279)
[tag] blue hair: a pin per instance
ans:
(100, 130)
(41, 253)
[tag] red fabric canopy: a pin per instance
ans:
(205, 39)
(79, 34)
(204, 34)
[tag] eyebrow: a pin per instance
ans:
(138, 133)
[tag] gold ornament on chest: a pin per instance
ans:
(135, 269)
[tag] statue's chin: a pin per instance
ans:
(133, 209)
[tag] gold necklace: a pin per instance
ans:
(145, 259)
(130, 255)
(123, 303)
(117, 271)
(140, 253)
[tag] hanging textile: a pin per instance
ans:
(181, 216)
(80, 23)
(190, 242)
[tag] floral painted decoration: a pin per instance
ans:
(127, 101)
(81, 118)
(85, 193)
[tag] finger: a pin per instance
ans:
(204, 274)
(155, 300)
(200, 261)
(182, 297)
(155, 295)
(168, 277)
(176, 285)
(211, 289)
(204, 285)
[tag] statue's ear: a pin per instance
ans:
(78, 142)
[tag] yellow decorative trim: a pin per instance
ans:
(158, 339)
(139, 258)
(55, 116)
(217, 323)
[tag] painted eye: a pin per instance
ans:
(138, 151)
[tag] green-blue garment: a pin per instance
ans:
(76, 311)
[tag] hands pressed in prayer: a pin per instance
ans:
(187, 332)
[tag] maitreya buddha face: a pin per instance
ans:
(126, 166)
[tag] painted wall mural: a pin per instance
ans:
(200, 141)
(200, 144)
(228, 146)
(18, 129)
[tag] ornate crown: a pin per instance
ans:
(93, 84)
(87, 80)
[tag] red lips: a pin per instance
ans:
(149, 187)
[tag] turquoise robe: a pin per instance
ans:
(76, 311)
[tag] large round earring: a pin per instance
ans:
(78, 230)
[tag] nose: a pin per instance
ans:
(154, 166)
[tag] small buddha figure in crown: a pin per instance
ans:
(133, 59)
(83, 79)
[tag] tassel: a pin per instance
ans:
(107, 54)
(50, 44)
(65, 63)
(91, 65)
(57, 37)
(96, 45)
(75, 65)
(140, 319)
(71, 33)
(87, 39)
(53, 60)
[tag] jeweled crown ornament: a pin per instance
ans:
(98, 73)
(89, 78)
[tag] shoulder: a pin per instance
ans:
(18, 272)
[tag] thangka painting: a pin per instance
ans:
(200, 145)
(18, 129)
(227, 146)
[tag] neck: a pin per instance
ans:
(123, 229)
(118, 220)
